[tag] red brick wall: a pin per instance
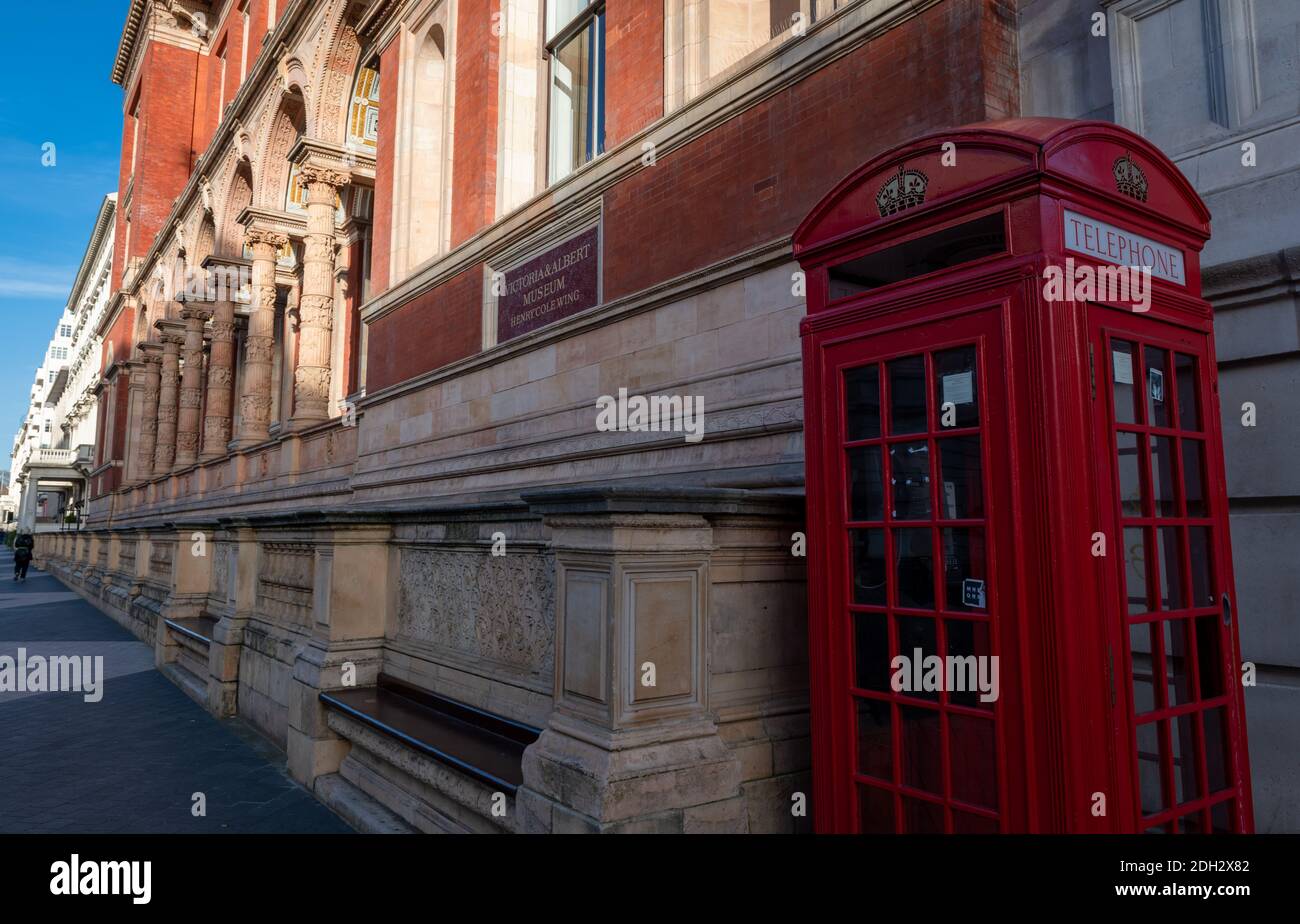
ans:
(113, 477)
(166, 140)
(1001, 73)
(124, 177)
(431, 330)
(634, 68)
(119, 337)
(381, 245)
(474, 168)
(749, 181)
(754, 178)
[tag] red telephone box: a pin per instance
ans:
(1021, 602)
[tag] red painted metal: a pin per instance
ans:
(1064, 733)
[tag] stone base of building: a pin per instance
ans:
(648, 644)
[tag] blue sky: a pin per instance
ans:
(64, 95)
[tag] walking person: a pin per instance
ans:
(22, 556)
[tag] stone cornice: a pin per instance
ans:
(358, 164)
(270, 220)
(374, 22)
(149, 20)
(104, 224)
(126, 45)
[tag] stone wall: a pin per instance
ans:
(468, 603)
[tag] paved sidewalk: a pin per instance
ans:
(131, 762)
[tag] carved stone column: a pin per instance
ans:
(311, 377)
(221, 362)
(151, 354)
(255, 401)
(134, 411)
(168, 387)
(190, 398)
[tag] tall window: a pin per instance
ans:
(135, 136)
(221, 91)
(243, 48)
(575, 44)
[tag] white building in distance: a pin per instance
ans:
(55, 443)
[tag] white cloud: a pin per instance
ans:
(23, 279)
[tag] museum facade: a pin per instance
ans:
(381, 270)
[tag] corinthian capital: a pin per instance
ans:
(274, 239)
(320, 173)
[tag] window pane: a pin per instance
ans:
(1157, 368)
(1143, 667)
(1209, 656)
(962, 495)
(1122, 368)
(956, 385)
(1177, 666)
(871, 641)
(1189, 403)
(1162, 476)
(909, 473)
(559, 13)
(862, 402)
(866, 500)
(927, 254)
(1149, 777)
(1135, 571)
(875, 739)
(965, 570)
(875, 810)
(1184, 758)
(1130, 474)
(1191, 824)
(974, 760)
(1193, 484)
(914, 564)
(781, 15)
(967, 639)
(1221, 818)
(907, 395)
(919, 733)
(917, 640)
(570, 92)
(921, 817)
(1171, 569)
(1217, 759)
(1198, 544)
(868, 566)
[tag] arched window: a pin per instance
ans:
(363, 114)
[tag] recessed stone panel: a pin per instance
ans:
(586, 596)
(664, 614)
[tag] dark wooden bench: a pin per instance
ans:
(481, 745)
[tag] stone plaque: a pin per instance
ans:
(554, 285)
